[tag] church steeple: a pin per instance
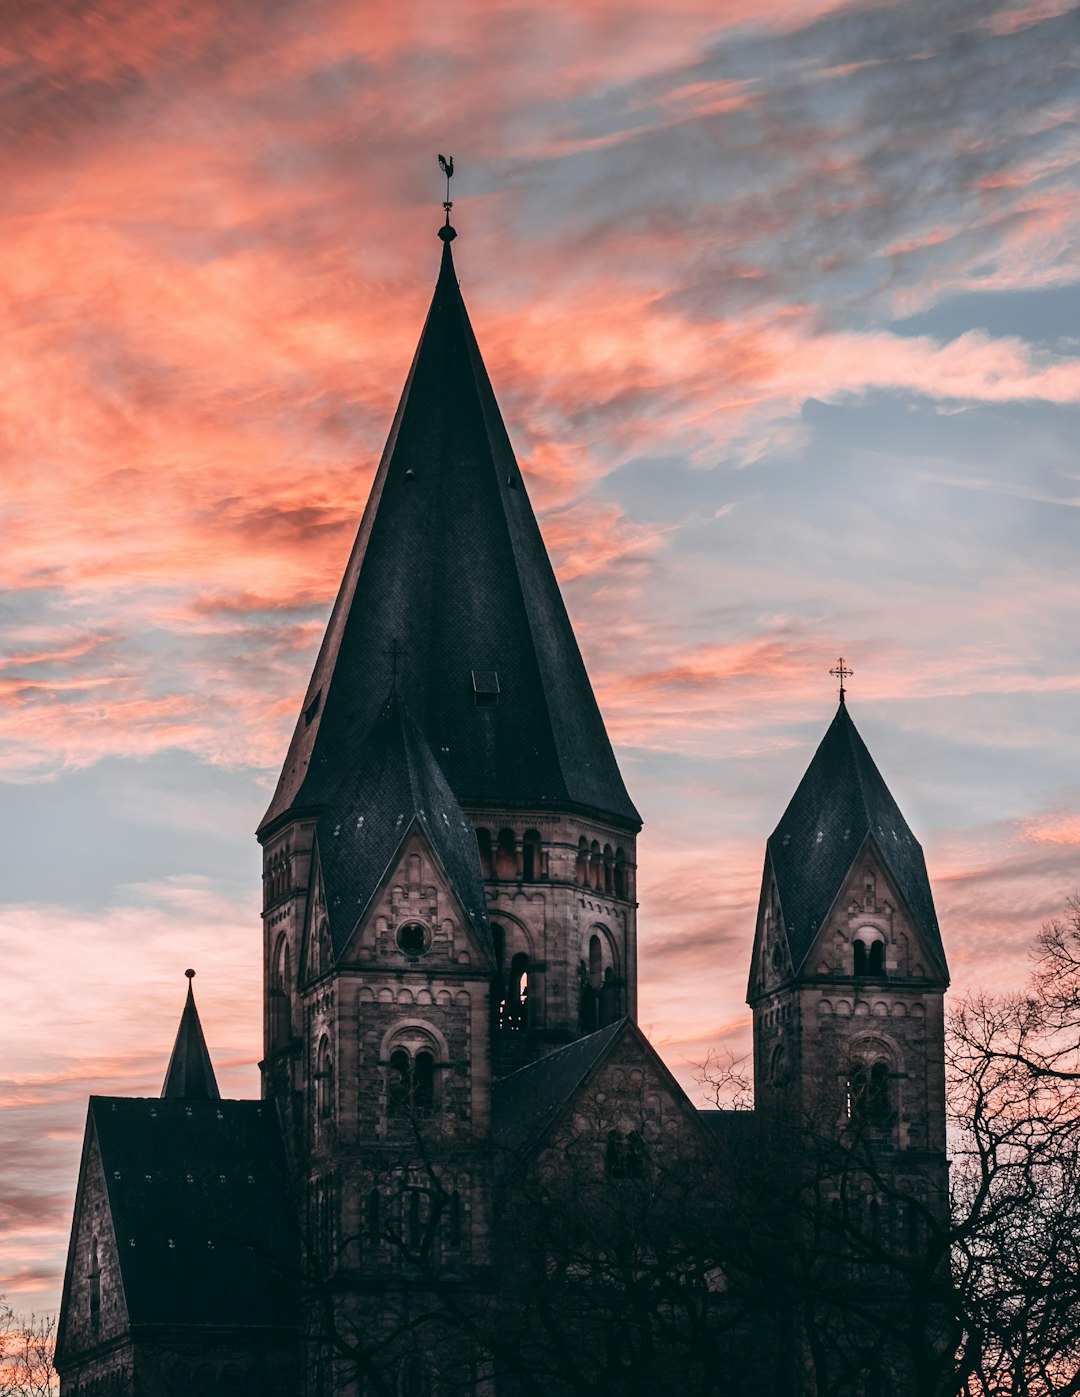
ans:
(449, 576)
(191, 1073)
(841, 805)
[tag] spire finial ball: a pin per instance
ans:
(190, 974)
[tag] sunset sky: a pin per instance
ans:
(781, 301)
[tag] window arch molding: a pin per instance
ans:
(281, 990)
(868, 951)
(600, 975)
(608, 945)
(870, 1081)
(324, 1079)
(513, 984)
(412, 1054)
(408, 1031)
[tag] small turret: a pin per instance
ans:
(191, 1073)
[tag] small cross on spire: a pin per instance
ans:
(841, 672)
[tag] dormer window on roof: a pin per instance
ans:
(485, 683)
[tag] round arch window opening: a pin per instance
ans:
(412, 938)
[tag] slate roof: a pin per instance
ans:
(394, 782)
(449, 584)
(190, 1075)
(526, 1102)
(199, 1208)
(840, 803)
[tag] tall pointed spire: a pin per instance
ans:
(449, 561)
(841, 802)
(191, 1073)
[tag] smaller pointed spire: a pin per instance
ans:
(191, 1073)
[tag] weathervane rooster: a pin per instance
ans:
(446, 164)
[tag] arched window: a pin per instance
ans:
(625, 1156)
(397, 1094)
(530, 856)
(878, 1105)
(868, 951)
(506, 858)
(596, 961)
(868, 1095)
(280, 991)
(581, 869)
(515, 1014)
(483, 846)
(601, 991)
(95, 1287)
(596, 866)
(324, 1081)
(622, 887)
(511, 982)
(423, 1084)
(411, 1088)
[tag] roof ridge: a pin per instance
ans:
(548, 1058)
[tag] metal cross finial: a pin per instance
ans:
(841, 672)
(447, 165)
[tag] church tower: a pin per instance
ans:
(847, 983)
(449, 855)
(848, 972)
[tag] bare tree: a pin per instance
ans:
(26, 1354)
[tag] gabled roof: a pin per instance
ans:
(526, 1102)
(841, 802)
(191, 1073)
(199, 1207)
(450, 589)
(394, 783)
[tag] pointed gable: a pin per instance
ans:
(841, 803)
(394, 786)
(449, 587)
(190, 1075)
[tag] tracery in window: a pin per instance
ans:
(868, 1093)
(411, 1085)
(625, 1155)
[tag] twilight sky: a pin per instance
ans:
(780, 299)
